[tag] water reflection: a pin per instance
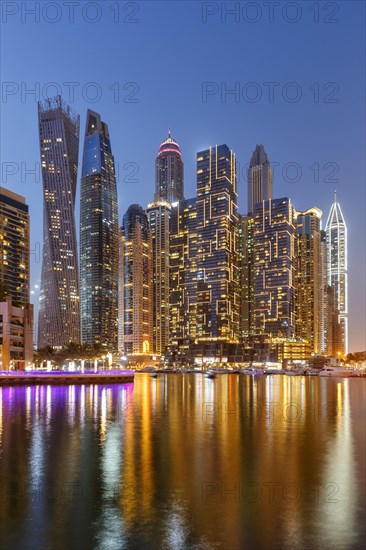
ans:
(184, 462)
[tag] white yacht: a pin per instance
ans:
(339, 372)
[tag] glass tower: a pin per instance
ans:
(14, 248)
(214, 294)
(158, 213)
(182, 270)
(246, 275)
(336, 235)
(309, 285)
(259, 178)
(274, 268)
(98, 237)
(135, 284)
(16, 313)
(59, 307)
(169, 172)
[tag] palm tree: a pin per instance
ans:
(47, 353)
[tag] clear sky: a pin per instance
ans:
(297, 69)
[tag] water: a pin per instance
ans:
(183, 462)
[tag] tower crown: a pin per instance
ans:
(169, 145)
(335, 215)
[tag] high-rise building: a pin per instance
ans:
(214, 298)
(246, 276)
(158, 213)
(16, 313)
(59, 306)
(99, 234)
(135, 284)
(183, 270)
(169, 172)
(336, 234)
(324, 282)
(309, 285)
(259, 178)
(333, 330)
(274, 268)
(14, 248)
(330, 326)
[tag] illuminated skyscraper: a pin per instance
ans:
(98, 237)
(246, 275)
(274, 268)
(16, 313)
(14, 248)
(169, 172)
(259, 178)
(309, 287)
(183, 270)
(336, 234)
(158, 213)
(135, 284)
(330, 329)
(215, 299)
(59, 307)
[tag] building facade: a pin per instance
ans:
(169, 172)
(16, 335)
(135, 284)
(183, 271)
(246, 276)
(14, 248)
(337, 268)
(259, 178)
(99, 235)
(16, 313)
(274, 268)
(158, 213)
(214, 290)
(59, 305)
(309, 286)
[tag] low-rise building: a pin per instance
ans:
(16, 336)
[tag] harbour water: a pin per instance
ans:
(184, 462)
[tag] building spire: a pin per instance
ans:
(335, 196)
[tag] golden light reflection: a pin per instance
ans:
(153, 454)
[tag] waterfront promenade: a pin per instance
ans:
(21, 378)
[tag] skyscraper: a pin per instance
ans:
(330, 326)
(246, 275)
(158, 213)
(336, 234)
(169, 172)
(135, 284)
(98, 237)
(274, 268)
(59, 307)
(16, 313)
(183, 270)
(309, 287)
(215, 300)
(259, 178)
(14, 248)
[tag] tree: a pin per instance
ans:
(47, 353)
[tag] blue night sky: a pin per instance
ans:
(160, 55)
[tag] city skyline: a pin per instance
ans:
(183, 274)
(286, 295)
(309, 154)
